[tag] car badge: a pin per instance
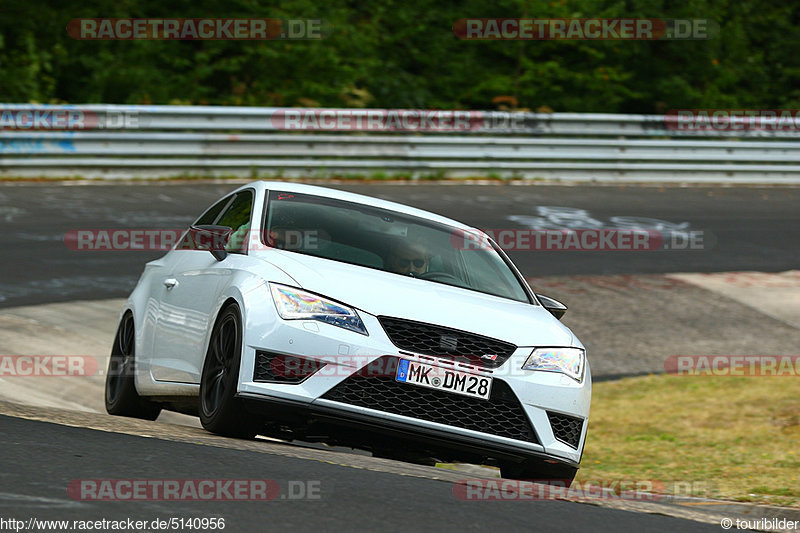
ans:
(448, 343)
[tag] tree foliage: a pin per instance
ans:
(394, 53)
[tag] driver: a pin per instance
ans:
(408, 258)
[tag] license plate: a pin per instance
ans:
(435, 377)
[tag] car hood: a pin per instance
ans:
(383, 293)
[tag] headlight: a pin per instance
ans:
(297, 304)
(568, 361)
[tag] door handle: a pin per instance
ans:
(170, 283)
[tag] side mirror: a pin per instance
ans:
(556, 308)
(211, 238)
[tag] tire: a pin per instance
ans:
(540, 472)
(220, 411)
(121, 396)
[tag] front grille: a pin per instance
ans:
(501, 415)
(429, 339)
(280, 368)
(567, 429)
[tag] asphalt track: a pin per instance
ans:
(40, 460)
(744, 228)
(627, 307)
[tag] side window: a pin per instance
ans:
(207, 218)
(237, 217)
(213, 212)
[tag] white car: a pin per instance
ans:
(309, 313)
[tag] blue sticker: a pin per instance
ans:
(402, 370)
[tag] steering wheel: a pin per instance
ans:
(440, 276)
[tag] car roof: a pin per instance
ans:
(328, 192)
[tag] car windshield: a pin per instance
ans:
(387, 240)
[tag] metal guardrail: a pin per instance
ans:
(153, 141)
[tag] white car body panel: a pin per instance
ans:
(173, 326)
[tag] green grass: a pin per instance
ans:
(734, 438)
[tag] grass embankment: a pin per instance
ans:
(737, 437)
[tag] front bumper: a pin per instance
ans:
(545, 399)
